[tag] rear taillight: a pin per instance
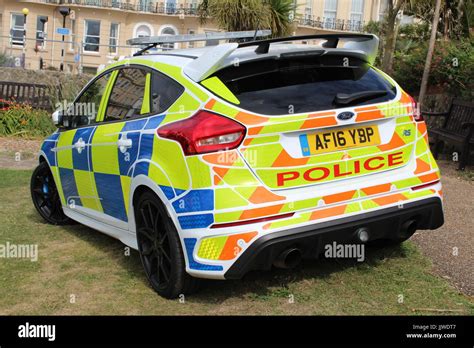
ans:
(204, 132)
(416, 110)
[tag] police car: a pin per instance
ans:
(216, 161)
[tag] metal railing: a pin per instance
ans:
(332, 23)
(15, 56)
(135, 6)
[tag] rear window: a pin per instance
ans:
(284, 86)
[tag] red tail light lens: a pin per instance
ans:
(204, 132)
(416, 110)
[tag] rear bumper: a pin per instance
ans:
(382, 224)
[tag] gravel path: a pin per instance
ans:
(451, 248)
(18, 153)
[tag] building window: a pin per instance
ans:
(91, 35)
(89, 70)
(17, 29)
(114, 37)
(41, 31)
(168, 30)
(144, 5)
(382, 9)
(357, 15)
(170, 6)
(330, 12)
(143, 30)
(193, 7)
(308, 11)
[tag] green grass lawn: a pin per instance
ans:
(76, 262)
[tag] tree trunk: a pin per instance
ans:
(429, 56)
(389, 43)
(391, 31)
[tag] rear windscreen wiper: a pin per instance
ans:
(346, 99)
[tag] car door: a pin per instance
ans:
(116, 141)
(77, 189)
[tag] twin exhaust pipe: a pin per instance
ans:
(289, 258)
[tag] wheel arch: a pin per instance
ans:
(139, 185)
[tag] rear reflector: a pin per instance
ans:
(204, 132)
(254, 221)
(419, 187)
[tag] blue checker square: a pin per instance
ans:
(133, 125)
(109, 189)
(141, 168)
(154, 122)
(127, 158)
(195, 221)
(81, 160)
(168, 191)
(195, 200)
(68, 183)
(146, 146)
(53, 136)
(47, 148)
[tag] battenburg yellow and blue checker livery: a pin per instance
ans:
(216, 161)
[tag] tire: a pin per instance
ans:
(160, 249)
(45, 196)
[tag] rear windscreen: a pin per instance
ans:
(285, 86)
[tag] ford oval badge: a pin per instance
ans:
(346, 115)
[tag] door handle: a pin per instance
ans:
(124, 143)
(80, 145)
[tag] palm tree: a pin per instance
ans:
(239, 15)
(279, 16)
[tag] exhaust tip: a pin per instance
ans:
(408, 228)
(289, 258)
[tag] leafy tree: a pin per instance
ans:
(455, 19)
(240, 15)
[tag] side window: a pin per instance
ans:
(164, 92)
(83, 111)
(127, 95)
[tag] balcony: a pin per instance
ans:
(134, 6)
(332, 24)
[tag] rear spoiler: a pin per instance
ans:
(365, 45)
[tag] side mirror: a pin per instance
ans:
(57, 118)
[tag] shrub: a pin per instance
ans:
(24, 121)
(452, 68)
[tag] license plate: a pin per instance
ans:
(335, 140)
